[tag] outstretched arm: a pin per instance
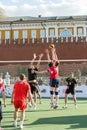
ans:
(54, 54)
(34, 57)
(40, 57)
(48, 55)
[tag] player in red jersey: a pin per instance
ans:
(4, 99)
(2, 90)
(54, 75)
(19, 98)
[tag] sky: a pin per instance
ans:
(44, 8)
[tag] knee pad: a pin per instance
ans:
(51, 92)
(56, 93)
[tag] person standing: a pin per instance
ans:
(32, 77)
(2, 90)
(71, 86)
(54, 76)
(20, 92)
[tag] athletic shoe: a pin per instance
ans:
(75, 106)
(34, 106)
(15, 123)
(64, 107)
(55, 106)
(29, 105)
(21, 126)
(51, 105)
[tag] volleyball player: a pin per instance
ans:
(32, 77)
(54, 75)
(71, 86)
(2, 90)
(54, 78)
(19, 99)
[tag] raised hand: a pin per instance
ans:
(34, 55)
(41, 55)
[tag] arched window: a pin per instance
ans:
(65, 33)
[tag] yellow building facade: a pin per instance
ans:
(42, 27)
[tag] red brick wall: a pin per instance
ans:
(65, 51)
(25, 52)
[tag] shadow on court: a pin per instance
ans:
(75, 122)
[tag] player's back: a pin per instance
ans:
(20, 90)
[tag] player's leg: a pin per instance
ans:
(39, 96)
(33, 91)
(66, 98)
(51, 94)
(22, 117)
(15, 117)
(74, 98)
(52, 97)
(29, 103)
(35, 98)
(56, 98)
(38, 92)
(22, 107)
(56, 84)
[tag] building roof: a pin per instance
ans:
(40, 18)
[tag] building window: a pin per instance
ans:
(79, 32)
(7, 34)
(65, 33)
(24, 34)
(33, 34)
(42, 33)
(52, 32)
(15, 34)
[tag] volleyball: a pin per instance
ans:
(52, 46)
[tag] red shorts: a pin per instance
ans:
(20, 104)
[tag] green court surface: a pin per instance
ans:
(45, 118)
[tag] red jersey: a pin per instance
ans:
(1, 87)
(20, 91)
(53, 72)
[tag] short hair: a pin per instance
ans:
(56, 63)
(22, 77)
(50, 64)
